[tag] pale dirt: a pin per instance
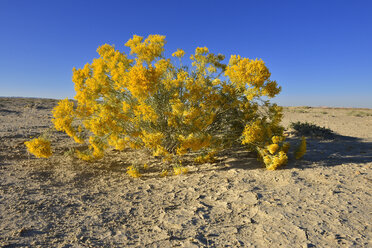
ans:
(323, 200)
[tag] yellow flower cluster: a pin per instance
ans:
(154, 141)
(255, 132)
(40, 147)
(149, 49)
(208, 158)
(145, 112)
(244, 71)
(117, 142)
(301, 150)
(98, 147)
(63, 115)
(141, 81)
(178, 170)
(274, 155)
(272, 148)
(133, 172)
(273, 162)
(192, 142)
(252, 77)
(179, 53)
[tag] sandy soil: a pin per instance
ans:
(323, 200)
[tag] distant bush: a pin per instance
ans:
(311, 130)
(359, 113)
(153, 102)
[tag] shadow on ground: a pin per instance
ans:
(320, 152)
(336, 151)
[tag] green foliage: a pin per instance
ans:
(359, 113)
(311, 130)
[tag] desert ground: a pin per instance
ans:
(322, 200)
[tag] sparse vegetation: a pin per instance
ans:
(302, 111)
(359, 113)
(311, 130)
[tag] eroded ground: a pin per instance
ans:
(323, 200)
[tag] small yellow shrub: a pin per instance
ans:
(40, 147)
(180, 170)
(133, 171)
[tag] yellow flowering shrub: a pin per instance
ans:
(145, 100)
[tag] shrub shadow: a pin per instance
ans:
(239, 158)
(320, 152)
(332, 152)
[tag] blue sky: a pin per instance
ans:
(320, 52)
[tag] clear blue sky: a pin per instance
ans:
(320, 52)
